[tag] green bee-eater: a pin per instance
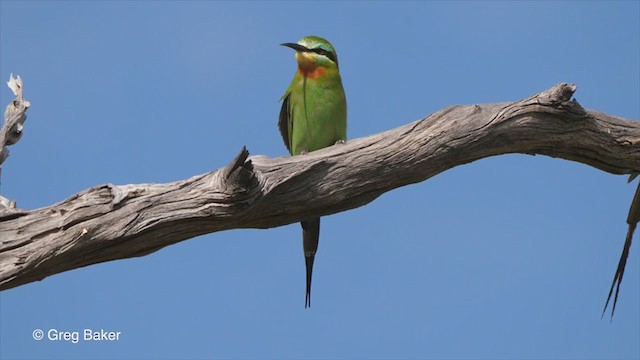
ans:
(313, 116)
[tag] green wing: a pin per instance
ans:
(285, 122)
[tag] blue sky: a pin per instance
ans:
(506, 257)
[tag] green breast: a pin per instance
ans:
(318, 113)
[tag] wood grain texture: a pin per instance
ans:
(14, 117)
(109, 222)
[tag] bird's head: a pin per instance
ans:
(313, 52)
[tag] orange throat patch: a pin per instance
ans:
(308, 67)
(312, 72)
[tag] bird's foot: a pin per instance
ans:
(341, 142)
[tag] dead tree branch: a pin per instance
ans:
(11, 132)
(111, 222)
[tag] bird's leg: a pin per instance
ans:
(340, 142)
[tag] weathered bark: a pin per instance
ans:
(11, 132)
(110, 222)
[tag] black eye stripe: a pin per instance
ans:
(326, 53)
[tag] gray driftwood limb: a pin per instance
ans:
(11, 132)
(109, 222)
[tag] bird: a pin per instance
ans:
(313, 116)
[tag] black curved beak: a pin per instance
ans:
(294, 46)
